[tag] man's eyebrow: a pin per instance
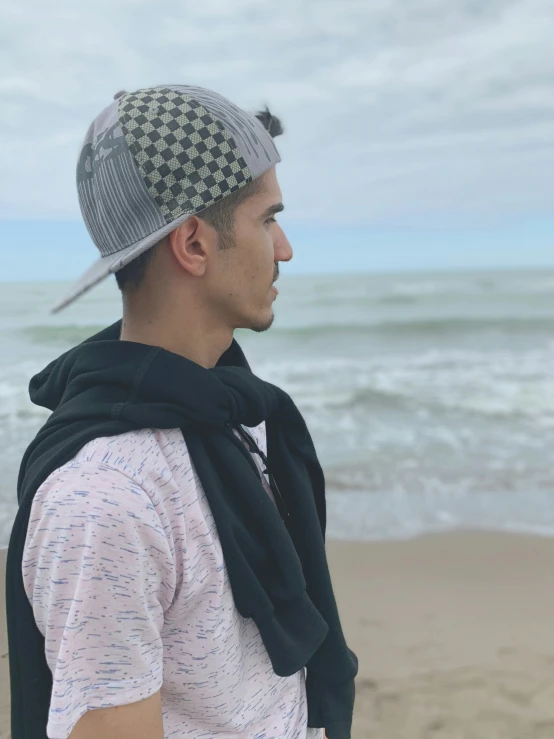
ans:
(272, 210)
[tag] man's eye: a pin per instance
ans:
(271, 220)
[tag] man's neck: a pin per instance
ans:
(193, 342)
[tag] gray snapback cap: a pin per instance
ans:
(152, 159)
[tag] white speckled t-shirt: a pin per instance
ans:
(125, 573)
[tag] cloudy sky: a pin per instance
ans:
(418, 133)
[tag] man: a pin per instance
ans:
(166, 572)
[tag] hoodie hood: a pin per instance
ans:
(104, 387)
(103, 358)
(48, 386)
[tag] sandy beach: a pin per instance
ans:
(454, 633)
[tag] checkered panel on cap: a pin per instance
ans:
(187, 158)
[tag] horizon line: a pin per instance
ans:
(349, 273)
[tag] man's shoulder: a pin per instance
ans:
(147, 445)
(136, 475)
(148, 457)
(142, 456)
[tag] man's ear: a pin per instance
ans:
(191, 244)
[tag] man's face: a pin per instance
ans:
(241, 277)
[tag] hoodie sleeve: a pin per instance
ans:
(99, 573)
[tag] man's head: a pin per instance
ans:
(223, 261)
(178, 190)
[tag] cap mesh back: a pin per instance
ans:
(186, 157)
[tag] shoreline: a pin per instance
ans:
(453, 632)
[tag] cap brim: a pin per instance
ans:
(97, 272)
(105, 266)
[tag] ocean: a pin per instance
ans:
(430, 397)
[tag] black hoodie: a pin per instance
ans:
(277, 568)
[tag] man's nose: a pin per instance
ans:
(283, 249)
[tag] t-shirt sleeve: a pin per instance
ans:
(99, 573)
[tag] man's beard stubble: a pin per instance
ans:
(265, 326)
(227, 241)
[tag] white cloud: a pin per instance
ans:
(395, 110)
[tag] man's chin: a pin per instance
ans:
(262, 324)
